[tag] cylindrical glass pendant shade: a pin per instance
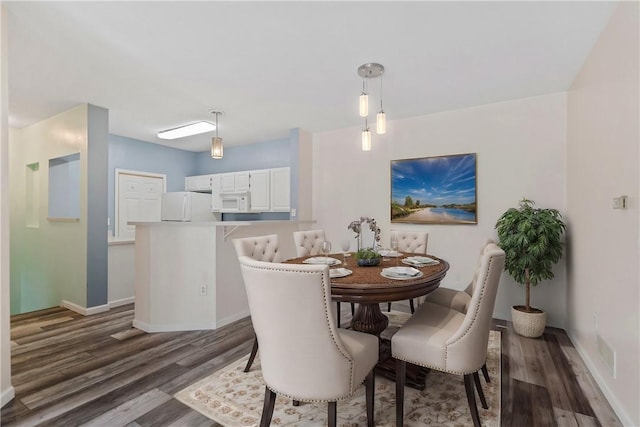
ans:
(366, 140)
(381, 123)
(216, 148)
(364, 105)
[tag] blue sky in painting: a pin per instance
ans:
(435, 180)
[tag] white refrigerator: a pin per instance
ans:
(186, 206)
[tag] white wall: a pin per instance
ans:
(602, 163)
(520, 148)
(6, 389)
(121, 265)
(39, 279)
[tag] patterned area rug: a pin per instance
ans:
(234, 399)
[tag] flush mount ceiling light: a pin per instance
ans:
(216, 142)
(371, 70)
(187, 130)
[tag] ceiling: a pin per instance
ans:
(274, 66)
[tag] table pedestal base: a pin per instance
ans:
(369, 319)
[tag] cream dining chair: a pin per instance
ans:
(459, 300)
(441, 338)
(308, 243)
(261, 248)
(304, 356)
(412, 242)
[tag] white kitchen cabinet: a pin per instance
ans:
(216, 185)
(259, 185)
(280, 189)
(242, 181)
(190, 183)
(198, 183)
(227, 182)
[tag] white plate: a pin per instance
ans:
(403, 273)
(322, 260)
(420, 261)
(339, 272)
(389, 253)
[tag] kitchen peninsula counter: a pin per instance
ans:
(187, 275)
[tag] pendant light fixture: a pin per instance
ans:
(366, 137)
(381, 120)
(370, 70)
(216, 142)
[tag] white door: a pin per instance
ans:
(139, 199)
(280, 190)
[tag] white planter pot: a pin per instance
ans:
(528, 324)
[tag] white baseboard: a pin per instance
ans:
(84, 311)
(171, 327)
(123, 301)
(231, 319)
(625, 419)
(7, 395)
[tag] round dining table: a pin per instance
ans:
(367, 287)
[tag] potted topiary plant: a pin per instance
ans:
(531, 239)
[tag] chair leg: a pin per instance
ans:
(370, 386)
(413, 309)
(252, 356)
(389, 307)
(353, 309)
(485, 372)
(401, 372)
(471, 398)
(338, 313)
(332, 408)
(267, 409)
(483, 401)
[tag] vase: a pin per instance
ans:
(368, 262)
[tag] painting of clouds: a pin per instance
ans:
(434, 190)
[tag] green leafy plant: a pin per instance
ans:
(531, 239)
(367, 253)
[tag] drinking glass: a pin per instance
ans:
(326, 248)
(345, 245)
(394, 247)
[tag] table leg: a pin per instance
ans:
(369, 319)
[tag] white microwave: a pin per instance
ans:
(238, 201)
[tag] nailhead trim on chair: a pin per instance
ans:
(475, 316)
(340, 349)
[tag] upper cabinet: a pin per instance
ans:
(198, 183)
(259, 187)
(270, 188)
(280, 190)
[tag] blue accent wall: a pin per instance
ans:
(133, 154)
(262, 155)
(97, 151)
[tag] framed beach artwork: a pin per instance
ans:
(434, 190)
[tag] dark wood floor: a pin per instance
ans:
(70, 370)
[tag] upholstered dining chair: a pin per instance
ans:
(303, 354)
(413, 242)
(309, 242)
(441, 338)
(459, 300)
(261, 248)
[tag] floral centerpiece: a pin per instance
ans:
(367, 256)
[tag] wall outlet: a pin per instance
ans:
(293, 212)
(203, 290)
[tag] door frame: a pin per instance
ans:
(118, 173)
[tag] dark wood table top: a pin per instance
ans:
(367, 286)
